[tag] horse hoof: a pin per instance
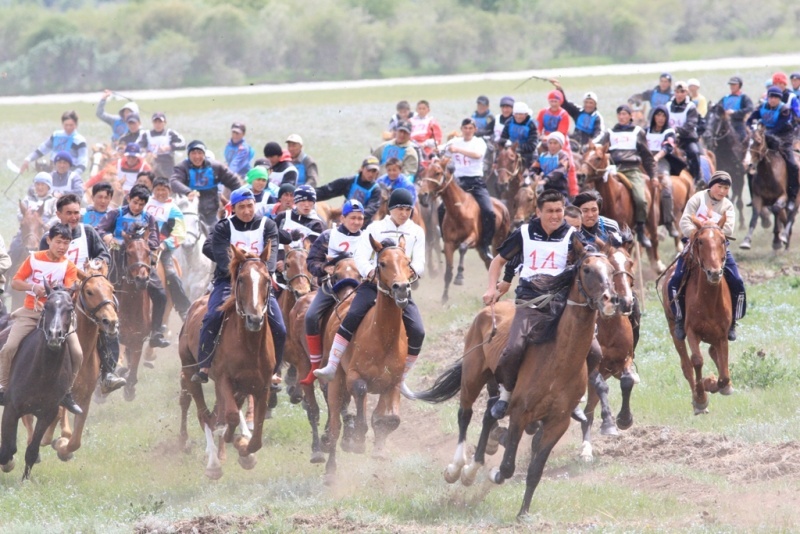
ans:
(776, 245)
(469, 473)
(329, 479)
(129, 394)
(149, 364)
(122, 372)
(586, 452)
(700, 408)
(459, 281)
(727, 390)
(7, 468)
(452, 473)
(495, 476)
(65, 457)
(624, 423)
(493, 442)
(214, 473)
(317, 457)
(609, 429)
(248, 462)
(745, 245)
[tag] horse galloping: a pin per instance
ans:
(196, 268)
(721, 137)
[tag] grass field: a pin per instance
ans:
(736, 469)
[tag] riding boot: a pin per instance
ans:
(108, 349)
(680, 331)
(501, 406)
(176, 291)
(667, 216)
(732, 332)
(643, 239)
(69, 403)
(157, 339)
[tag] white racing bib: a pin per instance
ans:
(544, 257)
(703, 214)
(78, 251)
(159, 210)
(249, 241)
(340, 243)
(623, 140)
(290, 225)
(53, 272)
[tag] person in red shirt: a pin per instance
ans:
(425, 128)
(49, 265)
(555, 119)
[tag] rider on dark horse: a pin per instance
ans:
(738, 106)
(710, 204)
(661, 140)
(683, 118)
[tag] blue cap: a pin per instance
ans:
(63, 156)
(305, 192)
(775, 91)
(132, 149)
(243, 193)
(507, 101)
(350, 206)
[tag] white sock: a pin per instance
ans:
(410, 361)
(505, 395)
(337, 349)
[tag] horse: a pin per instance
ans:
(41, 375)
(243, 365)
(709, 312)
(461, 226)
(375, 359)
(130, 273)
(552, 378)
(104, 161)
(508, 169)
(682, 191)
(196, 268)
(341, 284)
(97, 311)
(524, 203)
(768, 190)
(31, 229)
(618, 200)
(722, 138)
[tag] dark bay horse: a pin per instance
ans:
(508, 169)
(709, 312)
(244, 362)
(40, 377)
(461, 227)
(551, 382)
(375, 359)
(722, 138)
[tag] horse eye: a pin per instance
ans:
(89, 292)
(382, 264)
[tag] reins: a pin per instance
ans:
(91, 314)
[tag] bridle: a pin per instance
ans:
(511, 174)
(301, 274)
(591, 302)
(126, 276)
(387, 291)
(91, 314)
(597, 171)
(41, 326)
(441, 183)
(696, 243)
(239, 311)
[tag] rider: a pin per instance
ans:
(661, 93)
(776, 117)
(425, 131)
(467, 154)
(554, 165)
(252, 233)
(307, 172)
(787, 97)
(86, 244)
(300, 222)
(484, 118)
(281, 169)
(588, 121)
(661, 141)
(172, 230)
(738, 106)
(67, 139)
(545, 244)
(397, 224)
(331, 243)
(594, 225)
(130, 166)
(404, 113)
(200, 175)
(238, 153)
(683, 118)
(361, 187)
(395, 179)
(711, 204)
(111, 229)
(628, 150)
(521, 129)
(102, 193)
(65, 180)
(556, 119)
(162, 143)
(402, 148)
(699, 101)
(506, 111)
(39, 197)
(134, 133)
(280, 203)
(51, 266)
(117, 122)
(795, 79)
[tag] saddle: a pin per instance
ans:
(550, 306)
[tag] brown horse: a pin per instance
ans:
(618, 200)
(461, 227)
(375, 359)
(243, 366)
(31, 230)
(709, 312)
(682, 191)
(551, 381)
(524, 203)
(721, 137)
(768, 190)
(341, 285)
(508, 169)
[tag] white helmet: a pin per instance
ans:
(693, 81)
(590, 96)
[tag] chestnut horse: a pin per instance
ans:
(709, 312)
(618, 200)
(31, 229)
(461, 227)
(682, 191)
(552, 378)
(375, 359)
(508, 169)
(244, 362)
(524, 203)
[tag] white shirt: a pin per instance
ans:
(465, 165)
(366, 258)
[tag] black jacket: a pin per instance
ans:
(318, 255)
(218, 247)
(341, 188)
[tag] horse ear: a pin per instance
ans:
(514, 146)
(376, 246)
(236, 253)
(47, 287)
(82, 275)
(721, 222)
(697, 222)
(266, 252)
(402, 242)
(40, 211)
(577, 245)
(601, 245)
(307, 243)
(22, 208)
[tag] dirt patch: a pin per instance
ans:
(329, 521)
(207, 524)
(759, 276)
(737, 461)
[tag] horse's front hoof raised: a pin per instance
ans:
(452, 473)
(248, 461)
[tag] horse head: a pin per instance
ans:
(32, 226)
(394, 273)
(56, 321)
(595, 162)
(433, 180)
(758, 146)
(96, 299)
(250, 283)
(594, 279)
(295, 271)
(191, 220)
(508, 166)
(343, 275)
(708, 248)
(622, 275)
(525, 204)
(137, 256)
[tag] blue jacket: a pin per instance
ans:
(238, 156)
(402, 182)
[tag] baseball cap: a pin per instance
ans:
(132, 149)
(243, 193)
(371, 162)
(63, 156)
(238, 127)
(795, 76)
(693, 81)
(666, 76)
(294, 138)
(507, 101)
(158, 116)
(735, 79)
(196, 145)
(483, 100)
(350, 206)
(404, 125)
(681, 85)
(590, 96)
(133, 117)
(775, 91)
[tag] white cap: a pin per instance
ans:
(521, 107)
(590, 96)
(294, 138)
(693, 81)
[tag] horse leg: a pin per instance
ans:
(358, 444)
(473, 380)
(515, 430)
(185, 401)
(746, 243)
(249, 446)
(626, 383)
(385, 419)
(27, 422)
(453, 470)
(587, 453)
(700, 399)
(686, 361)
(542, 444)
(134, 355)
(600, 387)
(312, 412)
(720, 356)
(8, 444)
(32, 452)
(47, 438)
(214, 466)
(449, 250)
(335, 391)
(462, 251)
(66, 445)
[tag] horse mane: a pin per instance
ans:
(136, 231)
(554, 284)
(388, 242)
(339, 256)
(546, 327)
(233, 268)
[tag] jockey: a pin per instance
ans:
(307, 172)
(553, 119)
(788, 96)
(795, 79)
(102, 193)
(404, 113)
(283, 201)
(554, 165)
(506, 109)
(699, 101)
(39, 198)
(111, 229)
(594, 225)
(361, 187)
(238, 153)
(281, 169)
(588, 121)
(776, 117)
(402, 148)
(332, 243)
(738, 107)
(117, 122)
(628, 150)
(134, 133)
(394, 179)
(49, 266)
(425, 128)
(65, 180)
(198, 175)
(545, 244)
(484, 119)
(299, 223)
(162, 143)
(661, 142)
(521, 129)
(258, 180)
(397, 224)
(172, 230)
(86, 244)
(251, 233)
(712, 204)
(129, 167)
(683, 118)
(67, 140)
(467, 154)
(661, 93)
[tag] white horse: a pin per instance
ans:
(197, 269)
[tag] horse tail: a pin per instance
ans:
(445, 387)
